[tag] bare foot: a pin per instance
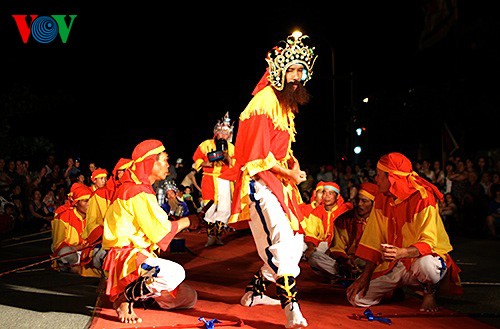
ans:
(125, 310)
(429, 303)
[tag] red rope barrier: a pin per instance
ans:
(44, 261)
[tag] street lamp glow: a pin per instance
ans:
(365, 100)
(357, 150)
(359, 131)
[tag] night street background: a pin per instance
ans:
(144, 69)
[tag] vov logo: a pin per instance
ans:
(44, 29)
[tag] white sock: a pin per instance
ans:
(246, 300)
(294, 318)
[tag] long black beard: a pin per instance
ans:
(290, 98)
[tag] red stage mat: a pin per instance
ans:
(220, 275)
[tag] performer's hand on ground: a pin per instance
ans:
(360, 285)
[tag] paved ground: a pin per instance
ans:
(37, 297)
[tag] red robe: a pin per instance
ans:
(264, 139)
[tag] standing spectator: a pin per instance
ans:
(190, 181)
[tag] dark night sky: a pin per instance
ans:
(134, 71)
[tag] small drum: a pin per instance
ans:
(215, 156)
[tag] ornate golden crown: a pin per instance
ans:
(295, 50)
(225, 126)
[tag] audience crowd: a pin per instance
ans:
(29, 196)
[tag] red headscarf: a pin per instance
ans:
(99, 172)
(369, 190)
(404, 181)
(122, 164)
(78, 192)
(113, 183)
(143, 159)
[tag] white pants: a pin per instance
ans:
(424, 270)
(277, 244)
(220, 210)
(323, 264)
(170, 276)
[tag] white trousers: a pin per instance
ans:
(277, 245)
(424, 270)
(220, 210)
(170, 277)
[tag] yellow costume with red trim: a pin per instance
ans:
(100, 201)
(412, 219)
(349, 228)
(306, 208)
(319, 225)
(135, 226)
(67, 228)
(68, 225)
(265, 135)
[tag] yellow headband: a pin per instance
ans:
(367, 194)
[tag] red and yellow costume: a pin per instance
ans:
(265, 136)
(319, 225)
(98, 173)
(135, 226)
(100, 201)
(412, 219)
(210, 174)
(68, 225)
(349, 228)
(308, 207)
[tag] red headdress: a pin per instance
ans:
(143, 159)
(404, 181)
(99, 172)
(369, 190)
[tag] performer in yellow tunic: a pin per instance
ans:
(319, 231)
(405, 242)
(316, 200)
(98, 205)
(72, 250)
(266, 174)
(349, 228)
(100, 201)
(135, 228)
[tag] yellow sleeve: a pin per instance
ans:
(340, 241)
(138, 220)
